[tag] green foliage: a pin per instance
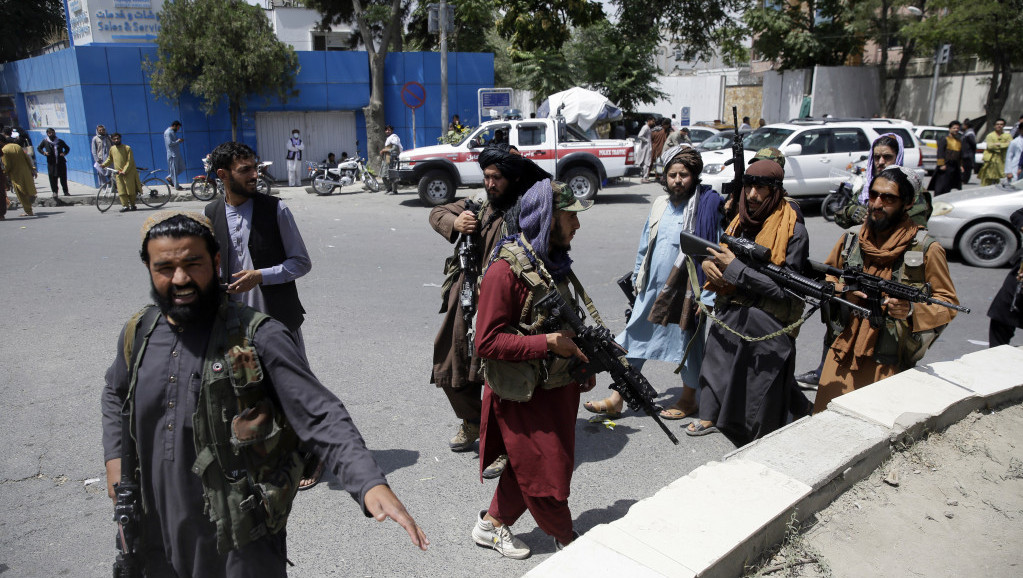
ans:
(217, 50)
(455, 136)
(802, 35)
(541, 28)
(473, 20)
(615, 64)
(543, 72)
(700, 29)
(28, 25)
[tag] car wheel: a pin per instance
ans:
(436, 188)
(582, 182)
(987, 244)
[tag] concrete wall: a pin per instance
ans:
(783, 94)
(846, 91)
(703, 94)
(960, 96)
(748, 100)
(106, 85)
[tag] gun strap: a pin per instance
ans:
(787, 330)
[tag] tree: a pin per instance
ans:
(217, 50)
(988, 28)
(882, 21)
(28, 25)
(379, 24)
(805, 34)
(699, 29)
(616, 63)
(473, 20)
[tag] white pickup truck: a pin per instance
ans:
(583, 164)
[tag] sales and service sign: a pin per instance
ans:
(113, 21)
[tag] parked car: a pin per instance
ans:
(930, 135)
(975, 223)
(813, 148)
(699, 134)
(721, 140)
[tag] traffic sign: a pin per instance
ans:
(413, 95)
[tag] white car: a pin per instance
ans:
(813, 148)
(975, 223)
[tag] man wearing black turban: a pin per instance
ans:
(506, 176)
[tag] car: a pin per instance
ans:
(699, 134)
(721, 140)
(814, 149)
(930, 135)
(975, 223)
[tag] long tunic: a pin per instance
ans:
(642, 338)
(538, 435)
(167, 390)
(1001, 306)
(452, 367)
(748, 388)
(644, 153)
(175, 162)
(839, 378)
(994, 169)
(18, 167)
(122, 159)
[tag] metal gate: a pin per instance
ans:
(322, 133)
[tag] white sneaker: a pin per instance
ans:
(500, 539)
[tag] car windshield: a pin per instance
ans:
(767, 136)
(716, 142)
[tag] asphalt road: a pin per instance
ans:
(72, 277)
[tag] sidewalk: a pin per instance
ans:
(725, 515)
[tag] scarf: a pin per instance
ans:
(868, 176)
(537, 213)
(859, 338)
(774, 234)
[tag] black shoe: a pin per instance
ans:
(134, 208)
(67, 194)
(125, 209)
(179, 188)
(809, 378)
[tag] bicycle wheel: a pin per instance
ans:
(105, 197)
(203, 189)
(155, 192)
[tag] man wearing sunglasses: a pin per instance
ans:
(891, 246)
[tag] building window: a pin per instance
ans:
(331, 40)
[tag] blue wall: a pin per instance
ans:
(106, 85)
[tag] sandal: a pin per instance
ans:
(675, 411)
(602, 406)
(698, 429)
(310, 482)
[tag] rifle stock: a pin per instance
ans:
(605, 355)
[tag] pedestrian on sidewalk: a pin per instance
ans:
(21, 172)
(55, 150)
(175, 162)
(100, 151)
(295, 148)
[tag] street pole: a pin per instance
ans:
(442, 19)
(934, 85)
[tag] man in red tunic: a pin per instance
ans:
(537, 434)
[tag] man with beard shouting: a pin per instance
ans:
(219, 397)
(889, 245)
(263, 251)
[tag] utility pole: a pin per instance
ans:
(941, 56)
(443, 21)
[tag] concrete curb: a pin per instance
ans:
(745, 502)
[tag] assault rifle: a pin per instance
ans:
(128, 508)
(625, 284)
(758, 258)
(605, 355)
(469, 263)
(876, 288)
(732, 189)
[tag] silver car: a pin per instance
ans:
(975, 223)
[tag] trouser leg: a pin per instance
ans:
(52, 176)
(25, 199)
(552, 516)
(508, 502)
(466, 401)
(1000, 333)
(63, 184)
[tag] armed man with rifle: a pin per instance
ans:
(531, 399)
(747, 384)
(898, 272)
(475, 225)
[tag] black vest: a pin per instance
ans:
(266, 249)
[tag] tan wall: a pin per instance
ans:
(749, 99)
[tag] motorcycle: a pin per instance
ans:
(849, 184)
(205, 187)
(326, 179)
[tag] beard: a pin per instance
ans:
(884, 223)
(240, 187)
(677, 195)
(204, 307)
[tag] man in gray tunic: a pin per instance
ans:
(163, 390)
(175, 162)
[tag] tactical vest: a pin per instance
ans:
(517, 380)
(897, 344)
(246, 452)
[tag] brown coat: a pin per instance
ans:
(452, 367)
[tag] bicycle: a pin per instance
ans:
(155, 192)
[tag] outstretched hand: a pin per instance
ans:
(382, 504)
